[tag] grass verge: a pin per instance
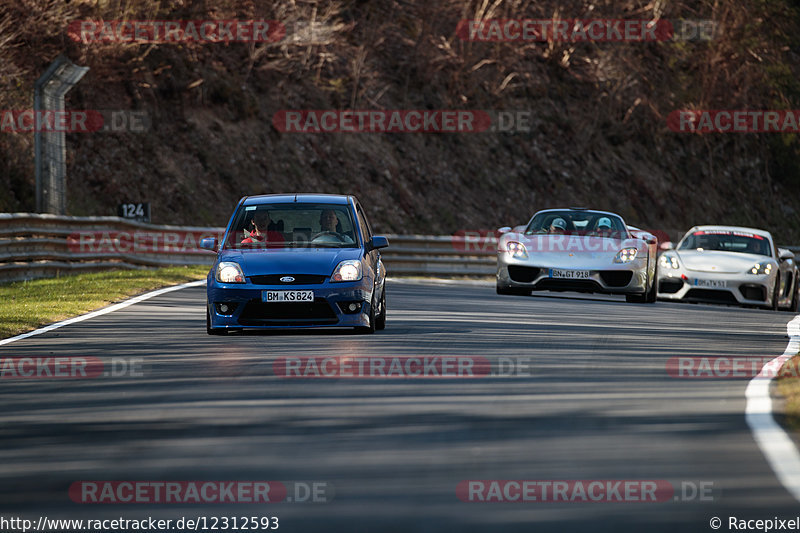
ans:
(27, 305)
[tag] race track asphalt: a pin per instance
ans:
(595, 403)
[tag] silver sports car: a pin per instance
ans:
(577, 250)
(731, 265)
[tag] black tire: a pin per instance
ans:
(636, 298)
(651, 295)
(380, 320)
(513, 291)
(209, 329)
(793, 304)
(776, 293)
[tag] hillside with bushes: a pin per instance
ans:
(597, 134)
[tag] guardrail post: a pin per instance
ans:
(50, 150)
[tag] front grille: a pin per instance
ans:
(670, 286)
(711, 295)
(616, 278)
(257, 313)
(522, 274)
(754, 292)
(577, 285)
(299, 279)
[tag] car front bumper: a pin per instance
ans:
(736, 288)
(246, 310)
(630, 278)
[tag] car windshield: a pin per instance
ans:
(292, 225)
(726, 241)
(578, 222)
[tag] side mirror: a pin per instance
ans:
(666, 245)
(783, 255)
(504, 229)
(377, 242)
(650, 240)
(209, 243)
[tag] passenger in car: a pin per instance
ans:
(261, 231)
(558, 225)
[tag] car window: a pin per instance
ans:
(727, 241)
(293, 225)
(578, 222)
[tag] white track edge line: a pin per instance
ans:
(103, 311)
(776, 445)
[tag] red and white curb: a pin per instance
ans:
(776, 445)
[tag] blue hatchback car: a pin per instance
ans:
(296, 261)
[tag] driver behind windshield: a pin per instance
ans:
(329, 222)
(604, 227)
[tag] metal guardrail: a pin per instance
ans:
(440, 255)
(36, 245)
(40, 245)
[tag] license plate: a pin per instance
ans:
(569, 274)
(713, 283)
(287, 296)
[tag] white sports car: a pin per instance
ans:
(731, 265)
(577, 250)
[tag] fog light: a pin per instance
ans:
(350, 306)
(226, 308)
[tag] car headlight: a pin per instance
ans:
(349, 270)
(229, 272)
(517, 250)
(761, 268)
(626, 255)
(668, 261)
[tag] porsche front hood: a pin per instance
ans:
(717, 261)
